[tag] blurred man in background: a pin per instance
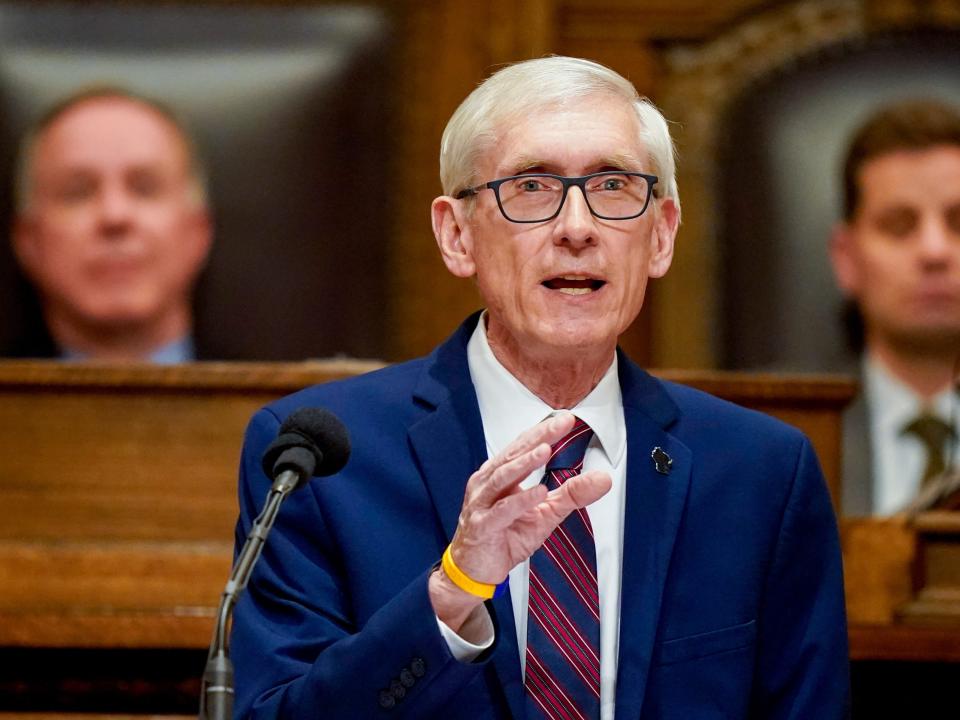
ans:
(896, 257)
(112, 228)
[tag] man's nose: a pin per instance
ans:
(575, 224)
(937, 244)
(114, 208)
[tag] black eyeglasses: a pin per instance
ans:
(539, 197)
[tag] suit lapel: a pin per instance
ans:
(856, 469)
(654, 506)
(449, 445)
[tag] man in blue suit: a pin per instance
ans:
(530, 525)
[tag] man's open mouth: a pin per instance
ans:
(573, 284)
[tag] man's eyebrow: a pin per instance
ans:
(72, 173)
(526, 163)
(623, 162)
(618, 161)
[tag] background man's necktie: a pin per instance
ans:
(563, 625)
(934, 433)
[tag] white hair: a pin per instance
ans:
(536, 84)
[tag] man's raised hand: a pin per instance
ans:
(500, 524)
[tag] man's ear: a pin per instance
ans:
(665, 225)
(843, 258)
(452, 231)
(201, 238)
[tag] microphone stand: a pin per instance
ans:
(216, 693)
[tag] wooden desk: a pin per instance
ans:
(119, 483)
(878, 557)
(118, 486)
(119, 491)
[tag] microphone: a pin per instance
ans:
(311, 442)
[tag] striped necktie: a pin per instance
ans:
(563, 625)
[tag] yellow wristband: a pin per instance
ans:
(463, 581)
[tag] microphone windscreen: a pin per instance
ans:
(326, 431)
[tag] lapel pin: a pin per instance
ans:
(661, 461)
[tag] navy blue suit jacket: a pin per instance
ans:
(732, 601)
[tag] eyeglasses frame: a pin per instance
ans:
(567, 183)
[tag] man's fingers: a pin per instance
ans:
(548, 511)
(507, 509)
(552, 508)
(547, 432)
(508, 476)
(578, 492)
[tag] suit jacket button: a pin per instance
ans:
(387, 700)
(397, 690)
(418, 667)
(406, 678)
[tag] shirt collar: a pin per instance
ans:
(508, 407)
(181, 350)
(178, 351)
(893, 404)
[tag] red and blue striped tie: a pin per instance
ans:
(563, 623)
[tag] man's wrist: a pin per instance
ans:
(466, 583)
(451, 604)
(475, 636)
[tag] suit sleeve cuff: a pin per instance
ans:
(478, 625)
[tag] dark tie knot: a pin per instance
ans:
(931, 430)
(934, 433)
(569, 450)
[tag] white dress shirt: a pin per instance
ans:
(507, 408)
(899, 458)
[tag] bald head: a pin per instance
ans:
(35, 137)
